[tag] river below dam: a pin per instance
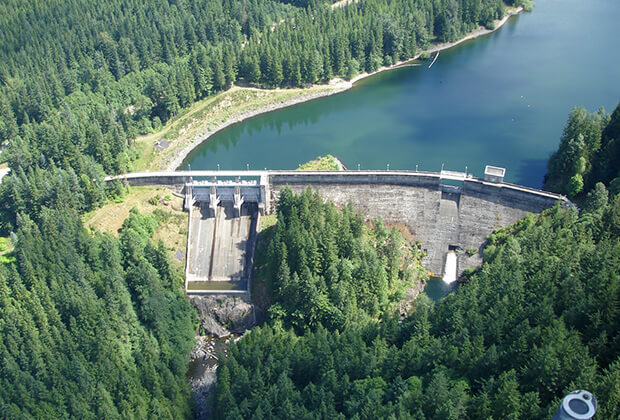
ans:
(502, 99)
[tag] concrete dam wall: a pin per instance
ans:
(442, 217)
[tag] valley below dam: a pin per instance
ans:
(501, 100)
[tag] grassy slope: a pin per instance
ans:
(6, 250)
(172, 229)
(209, 115)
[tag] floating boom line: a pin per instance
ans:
(435, 59)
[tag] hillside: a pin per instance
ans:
(94, 322)
(538, 320)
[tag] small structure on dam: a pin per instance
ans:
(445, 211)
(494, 173)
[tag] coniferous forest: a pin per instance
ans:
(589, 153)
(326, 267)
(80, 79)
(541, 318)
(94, 326)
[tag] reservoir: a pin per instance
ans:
(502, 99)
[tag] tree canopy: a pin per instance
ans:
(541, 318)
(324, 266)
(589, 152)
(92, 326)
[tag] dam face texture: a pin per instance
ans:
(445, 211)
(442, 217)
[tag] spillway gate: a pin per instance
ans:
(224, 216)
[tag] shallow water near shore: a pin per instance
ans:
(502, 99)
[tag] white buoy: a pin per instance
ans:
(449, 273)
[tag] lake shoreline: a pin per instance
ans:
(477, 33)
(177, 161)
(335, 86)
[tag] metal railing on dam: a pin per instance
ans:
(454, 218)
(397, 177)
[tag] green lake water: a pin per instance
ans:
(436, 288)
(502, 99)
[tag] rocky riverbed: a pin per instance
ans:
(223, 319)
